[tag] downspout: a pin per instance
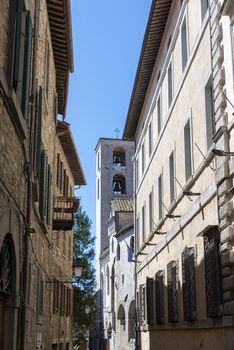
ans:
(137, 347)
(24, 280)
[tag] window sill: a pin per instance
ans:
(13, 106)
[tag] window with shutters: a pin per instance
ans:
(58, 170)
(22, 56)
(172, 177)
(213, 272)
(169, 85)
(56, 297)
(142, 304)
(150, 300)
(45, 183)
(189, 284)
(184, 44)
(159, 115)
(159, 294)
(187, 150)
(172, 291)
(40, 294)
(160, 199)
(210, 122)
(37, 153)
(151, 212)
(143, 223)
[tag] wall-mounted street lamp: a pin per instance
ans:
(221, 153)
(78, 267)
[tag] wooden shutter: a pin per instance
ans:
(43, 200)
(17, 42)
(58, 169)
(189, 284)
(49, 195)
(159, 291)
(38, 131)
(150, 300)
(213, 272)
(41, 297)
(172, 290)
(27, 67)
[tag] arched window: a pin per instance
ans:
(121, 315)
(107, 280)
(132, 244)
(131, 321)
(119, 157)
(119, 184)
(118, 252)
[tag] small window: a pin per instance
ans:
(142, 158)
(118, 252)
(184, 45)
(143, 223)
(210, 123)
(172, 177)
(159, 117)
(119, 184)
(112, 245)
(169, 81)
(132, 244)
(119, 157)
(107, 280)
(160, 208)
(150, 139)
(187, 151)
(137, 172)
(150, 212)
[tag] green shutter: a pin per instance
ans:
(17, 42)
(43, 200)
(27, 66)
(49, 195)
(38, 133)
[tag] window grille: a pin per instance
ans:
(189, 284)
(150, 300)
(213, 272)
(159, 291)
(172, 290)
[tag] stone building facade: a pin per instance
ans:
(114, 179)
(180, 117)
(39, 166)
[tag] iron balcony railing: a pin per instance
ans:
(64, 210)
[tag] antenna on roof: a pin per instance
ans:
(117, 132)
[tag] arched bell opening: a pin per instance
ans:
(119, 184)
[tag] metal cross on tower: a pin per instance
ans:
(117, 132)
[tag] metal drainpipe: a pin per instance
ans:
(135, 208)
(24, 279)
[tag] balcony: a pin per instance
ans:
(64, 210)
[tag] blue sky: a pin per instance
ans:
(107, 39)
